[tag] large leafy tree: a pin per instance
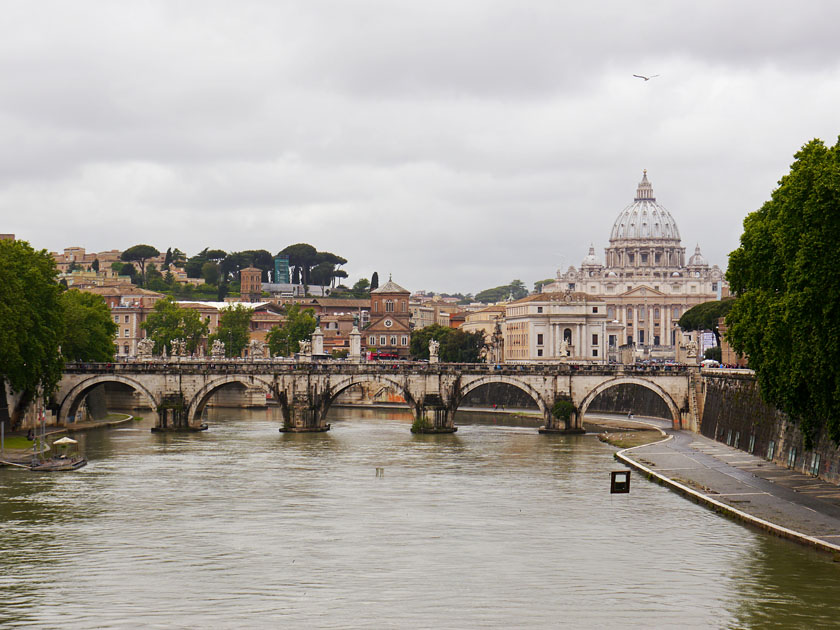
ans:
(169, 321)
(234, 329)
(140, 254)
(299, 325)
(88, 327)
(515, 289)
(31, 323)
(705, 316)
(456, 345)
(786, 318)
(302, 257)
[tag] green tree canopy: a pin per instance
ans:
(169, 321)
(705, 316)
(234, 329)
(786, 318)
(374, 281)
(210, 272)
(140, 254)
(299, 325)
(456, 345)
(88, 327)
(31, 322)
(302, 257)
(361, 289)
(515, 289)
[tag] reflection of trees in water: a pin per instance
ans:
(780, 585)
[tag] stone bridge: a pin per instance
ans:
(178, 391)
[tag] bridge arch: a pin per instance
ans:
(69, 404)
(472, 385)
(344, 383)
(200, 398)
(631, 380)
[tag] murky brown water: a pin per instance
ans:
(493, 527)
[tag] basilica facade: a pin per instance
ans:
(645, 279)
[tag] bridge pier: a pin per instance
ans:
(433, 416)
(573, 425)
(173, 415)
(301, 416)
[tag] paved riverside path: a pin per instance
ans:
(782, 501)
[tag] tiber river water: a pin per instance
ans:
(493, 527)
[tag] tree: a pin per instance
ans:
(299, 325)
(31, 323)
(361, 289)
(234, 330)
(515, 290)
(539, 284)
(154, 278)
(140, 254)
(302, 256)
(210, 272)
(95, 264)
(89, 328)
(456, 345)
(786, 318)
(705, 316)
(374, 281)
(169, 321)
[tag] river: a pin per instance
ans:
(493, 527)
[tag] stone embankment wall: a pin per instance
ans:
(627, 397)
(734, 414)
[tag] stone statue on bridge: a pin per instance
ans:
(305, 347)
(256, 349)
(434, 348)
(217, 351)
(145, 347)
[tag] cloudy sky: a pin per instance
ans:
(455, 144)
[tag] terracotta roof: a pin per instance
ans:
(345, 302)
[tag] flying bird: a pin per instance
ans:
(641, 76)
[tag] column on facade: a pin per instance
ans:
(636, 324)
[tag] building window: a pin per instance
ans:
(125, 349)
(389, 306)
(125, 332)
(382, 340)
(567, 336)
(644, 259)
(126, 319)
(714, 286)
(571, 286)
(594, 309)
(376, 306)
(656, 340)
(404, 306)
(393, 340)
(610, 312)
(676, 312)
(656, 313)
(612, 341)
(629, 340)
(629, 313)
(642, 310)
(116, 319)
(594, 352)
(539, 352)
(539, 339)
(641, 337)
(404, 340)
(372, 340)
(539, 309)
(594, 339)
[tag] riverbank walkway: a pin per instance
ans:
(751, 489)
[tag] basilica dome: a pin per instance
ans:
(644, 219)
(697, 260)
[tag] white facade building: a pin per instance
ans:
(645, 283)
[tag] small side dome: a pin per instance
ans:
(697, 260)
(676, 274)
(591, 259)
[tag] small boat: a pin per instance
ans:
(62, 461)
(55, 464)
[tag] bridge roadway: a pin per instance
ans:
(177, 390)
